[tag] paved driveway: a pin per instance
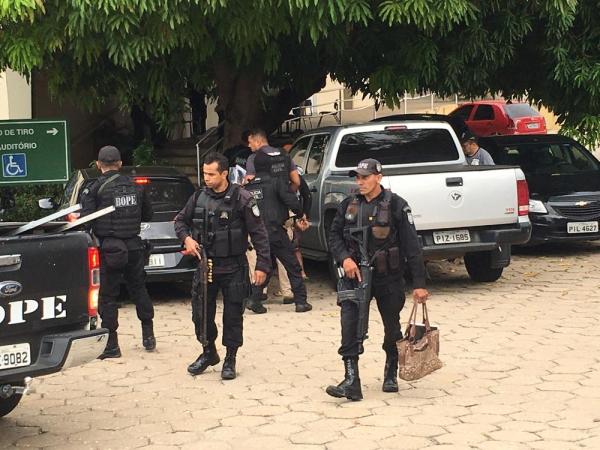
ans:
(522, 370)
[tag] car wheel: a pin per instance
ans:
(478, 266)
(8, 404)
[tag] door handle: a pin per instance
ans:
(454, 181)
(313, 189)
(10, 263)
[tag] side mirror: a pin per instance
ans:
(46, 203)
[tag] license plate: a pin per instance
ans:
(451, 237)
(533, 126)
(157, 260)
(16, 355)
(582, 227)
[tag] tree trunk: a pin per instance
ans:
(243, 104)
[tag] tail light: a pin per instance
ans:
(141, 180)
(523, 197)
(94, 281)
(72, 217)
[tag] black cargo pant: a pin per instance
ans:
(282, 249)
(235, 287)
(134, 278)
(389, 293)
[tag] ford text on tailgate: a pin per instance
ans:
(48, 299)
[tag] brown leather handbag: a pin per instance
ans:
(418, 351)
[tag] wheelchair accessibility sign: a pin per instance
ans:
(34, 151)
(14, 165)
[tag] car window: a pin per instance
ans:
(69, 189)
(317, 151)
(517, 110)
(484, 112)
(402, 146)
(168, 194)
(299, 151)
(547, 159)
(463, 112)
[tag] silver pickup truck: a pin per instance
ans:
(459, 210)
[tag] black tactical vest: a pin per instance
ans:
(220, 221)
(122, 193)
(275, 164)
(271, 187)
(382, 233)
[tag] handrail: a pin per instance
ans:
(203, 138)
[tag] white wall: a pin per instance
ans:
(15, 96)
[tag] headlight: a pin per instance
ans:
(536, 206)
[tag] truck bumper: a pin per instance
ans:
(482, 239)
(59, 352)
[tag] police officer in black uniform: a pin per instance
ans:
(392, 243)
(273, 179)
(229, 214)
(122, 251)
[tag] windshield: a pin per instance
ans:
(517, 110)
(547, 159)
(398, 146)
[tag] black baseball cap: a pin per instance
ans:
(109, 154)
(366, 167)
(466, 136)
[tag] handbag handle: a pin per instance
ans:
(412, 319)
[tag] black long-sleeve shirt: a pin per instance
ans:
(255, 226)
(406, 238)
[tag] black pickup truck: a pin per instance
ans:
(49, 282)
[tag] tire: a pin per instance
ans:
(8, 404)
(478, 266)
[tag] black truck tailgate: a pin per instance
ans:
(44, 283)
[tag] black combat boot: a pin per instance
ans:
(303, 307)
(112, 349)
(209, 357)
(148, 340)
(254, 304)
(228, 370)
(350, 386)
(390, 373)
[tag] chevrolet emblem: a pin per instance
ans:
(582, 203)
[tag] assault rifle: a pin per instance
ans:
(201, 235)
(359, 292)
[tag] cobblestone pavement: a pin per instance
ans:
(522, 370)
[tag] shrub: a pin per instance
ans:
(20, 203)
